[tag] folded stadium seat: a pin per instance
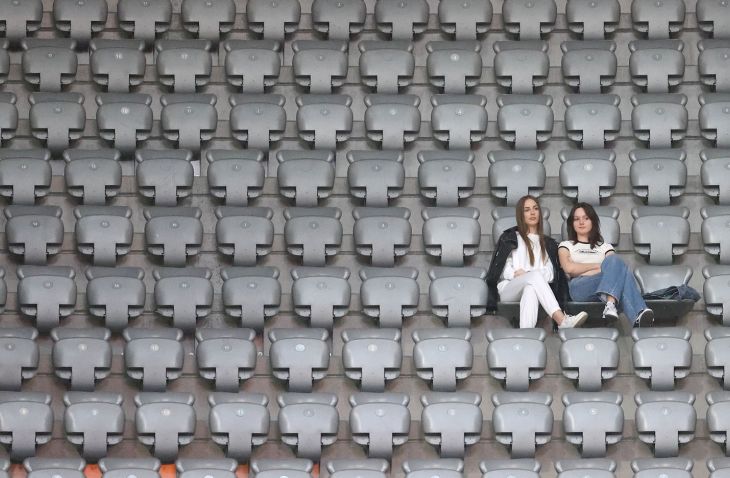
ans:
(713, 115)
(592, 20)
(596, 467)
(504, 218)
(718, 417)
(662, 435)
(81, 356)
(183, 294)
(49, 64)
(187, 120)
(459, 120)
(115, 294)
(714, 234)
(238, 422)
(521, 66)
(522, 420)
(658, 20)
(516, 356)
(273, 21)
(660, 233)
(25, 175)
(26, 420)
(104, 232)
(589, 66)
(655, 468)
(389, 294)
(245, 233)
(46, 293)
(306, 176)
(401, 21)
(386, 66)
(454, 66)
(592, 120)
(57, 119)
(513, 174)
(711, 65)
(122, 467)
(715, 291)
(372, 468)
(458, 294)
(226, 356)
(379, 421)
(662, 355)
(3, 290)
(715, 183)
(338, 20)
(291, 468)
(319, 66)
(22, 19)
(446, 176)
(173, 233)
(718, 467)
(656, 66)
(124, 120)
(94, 175)
(153, 356)
(4, 61)
(93, 421)
(61, 467)
(80, 21)
(19, 354)
(444, 467)
(313, 233)
(204, 467)
(164, 422)
(451, 421)
(709, 13)
(465, 20)
(524, 121)
(452, 234)
(383, 234)
(257, 120)
(592, 420)
(443, 356)
(144, 20)
(208, 20)
(717, 354)
(588, 175)
(251, 294)
(320, 294)
(34, 232)
(235, 176)
(117, 65)
(324, 120)
(523, 467)
(659, 120)
(392, 120)
(375, 176)
(252, 65)
(371, 357)
(654, 278)
(588, 357)
(308, 421)
(299, 356)
(8, 110)
(529, 20)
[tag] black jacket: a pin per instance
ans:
(505, 245)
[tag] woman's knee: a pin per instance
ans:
(535, 278)
(615, 261)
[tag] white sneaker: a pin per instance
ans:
(610, 312)
(645, 318)
(571, 321)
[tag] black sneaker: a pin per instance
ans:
(645, 318)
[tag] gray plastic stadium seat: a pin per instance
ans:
(26, 420)
(349, 468)
(713, 117)
(25, 175)
(235, 176)
(183, 294)
(443, 356)
(709, 14)
(713, 69)
(144, 19)
(46, 293)
(324, 120)
(658, 175)
(660, 233)
(252, 65)
(104, 232)
(718, 417)
(93, 176)
(34, 232)
(319, 66)
(308, 421)
(245, 233)
(80, 21)
(117, 64)
(529, 20)
(522, 420)
(383, 234)
(188, 119)
(452, 234)
(596, 467)
(658, 20)
(320, 294)
(459, 120)
(4, 63)
(275, 468)
(717, 354)
(399, 20)
(208, 20)
(238, 422)
(386, 66)
(465, 20)
(122, 467)
(379, 421)
(19, 354)
(164, 422)
(21, 20)
(273, 20)
(372, 356)
(93, 421)
(173, 233)
(313, 233)
(513, 174)
(8, 110)
(714, 235)
(61, 467)
(49, 64)
(589, 356)
(667, 467)
(299, 356)
(446, 176)
(588, 175)
(454, 66)
(251, 294)
(458, 294)
(592, 20)
(375, 176)
(444, 467)
(389, 295)
(257, 120)
(656, 65)
(516, 356)
(306, 176)
(662, 434)
(716, 292)
(451, 421)
(718, 467)
(662, 355)
(592, 421)
(115, 294)
(522, 467)
(715, 181)
(226, 356)
(524, 121)
(203, 467)
(521, 66)
(153, 356)
(659, 120)
(653, 278)
(81, 356)
(3, 290)
(589, 66)
(592, 120)
(392, 120)
(338, 20)
(124, 119)
(57, 119)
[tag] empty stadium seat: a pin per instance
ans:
(338, 20)
(257, 120)
(593, 420)
(49, 64)
(662, 355)
(588, 175)
(188, 119)
(392, 120)
(521, 66)
(251, 294)
(320, 294)
(513, 174)
(589, 66)
(597, 467)
(658, 175)
(294, 468)
(443, 356)
(22, 19)
(164, 422)
(375, 176)
(592, 20)
(226, 356)
(665, 435)
(34, 232)
(389, 295)
(458, 294)
(308, 421)
(94, 176)
(215, 467)
(57, 119)
(81, 356)
(183, 294)
(656, 467)
(656, 65)
(245, 233)
(505, 468)
(445, 467)
(454, 66)
(20, 355)
(711, 65)
(712, 174)
(379, 421)
(46, 293)
(121, 467)
(516, 356)
(592, 120)
(153, 356)
(124, 119)
(324, 120)
(399, 22)
(117, 65)
(252, 65)
(313, 233)
(660, 120)
(25, 175)
(459, 120)
(273, 21)
(116, 294)
(80, 21)
(712, 117)
(173, 233)
(299, 356)
(717, 359)
(235, 176)
(383, 234)
(320, 66)
(208, 20)
(93, 422)
(8, 110)
(144, 20)
(529, 20)
(452, 234)
(386, 66)
(373, 467)
(660, 233)
(26, 420)
(522, 420)
(238, 422)
(524, 121)
(589, 356)
(306, 176)
(370, 357)
(446, 176)
(63, 467)
(718, 417)
(104, 233)
(451, 421)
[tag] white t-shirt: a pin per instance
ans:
(520, 259)
(581, 252)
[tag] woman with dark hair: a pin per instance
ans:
(597, 273)
(525, 268)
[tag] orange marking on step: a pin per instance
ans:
(242, 471)
(92, 471)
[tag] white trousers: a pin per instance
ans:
(531, 290)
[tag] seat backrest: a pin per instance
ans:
(308, 421)
(379, 421)
(164, 421)
(227, 356)
(93, 421)
(321, 294)
(184, 294)
(251, 293)
(662, 355)
(592, 421)
(522, 420)
(81, 356)
(299, 356)
(451, 421)
(442, 356)
(153, 356)
(653, 428)
(516, 356)
(389, 294)
(238, 422)
(372, 356)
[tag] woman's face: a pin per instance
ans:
(531, 213)
(581, 222)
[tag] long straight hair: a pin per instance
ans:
(594, 237)
(523, 229)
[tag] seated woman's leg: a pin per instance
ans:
(544, 293)
(613, 276)
(584, 289)
(631, 300)
(529, 308)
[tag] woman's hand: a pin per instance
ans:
(519, 272)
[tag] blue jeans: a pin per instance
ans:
(616, 280)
